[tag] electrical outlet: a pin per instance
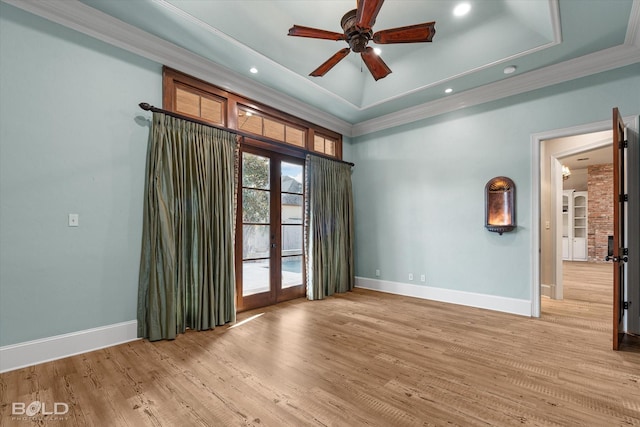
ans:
(410, 276)
(423, 277)
(377, 273)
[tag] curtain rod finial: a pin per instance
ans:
(145, 106)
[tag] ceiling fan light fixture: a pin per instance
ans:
(357, 32)
(461, 9)
(377, 50)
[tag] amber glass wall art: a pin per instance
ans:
(499, 200)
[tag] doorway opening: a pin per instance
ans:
(547, 226)
(577, 208)
(579, 220)
(550, 150)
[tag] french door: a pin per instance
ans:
(269, 232)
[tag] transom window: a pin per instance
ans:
(324, 145)
(270, 127)
(196, 103)
(201, 100)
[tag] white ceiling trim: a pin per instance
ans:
(80, 17)
(633, 28)
(554, 10)
(607, 59)
(554, 13)
(437, 83)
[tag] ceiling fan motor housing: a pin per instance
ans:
(356, 37)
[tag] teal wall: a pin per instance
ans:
(71, 141)
(419, 188)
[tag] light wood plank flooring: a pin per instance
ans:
(362, 358)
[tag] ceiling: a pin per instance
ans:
(597, 156)
(584, 150)
(548, 41)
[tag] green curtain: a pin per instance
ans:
(328, 226)
(187, 277)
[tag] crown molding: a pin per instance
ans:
(583, 66)
(605, 60)
(633, 28)
(87, 20)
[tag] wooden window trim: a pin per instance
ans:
(234, 101)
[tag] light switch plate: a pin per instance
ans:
(74, 220)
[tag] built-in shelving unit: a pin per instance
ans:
(574, 225)
(580, 226)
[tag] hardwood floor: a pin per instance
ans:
(362, 358)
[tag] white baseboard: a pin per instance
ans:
(29, 353)
(490, 302)
(547, 290)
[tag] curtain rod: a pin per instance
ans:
(148, 107)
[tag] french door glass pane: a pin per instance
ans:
(255, 277)
(292, 208)
(255, 171)
(291, 178)
(291, 271)
(256, 241)
(291, 240)
(255, 206)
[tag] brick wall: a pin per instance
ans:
(600, 211)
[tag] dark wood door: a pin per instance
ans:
(269, 235)
(619, 235)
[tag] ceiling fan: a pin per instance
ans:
(357, 26)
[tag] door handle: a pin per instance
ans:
(616, 259)
(273, 246)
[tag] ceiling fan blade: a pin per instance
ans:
(330, 63)
(410, 34)
(375, 64)
(314, 33)
(367, 12)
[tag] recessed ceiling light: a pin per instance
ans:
(462, 9)
(448, 90)
(377, 50)
(253, 70)
(510, 69)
